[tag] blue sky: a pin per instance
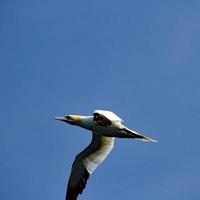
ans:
(139, 59)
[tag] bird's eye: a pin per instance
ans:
(68, 117)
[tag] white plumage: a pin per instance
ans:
(110, 115)
(105, 126)
(92, 160)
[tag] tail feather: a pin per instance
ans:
(137, 136)
(145, 139)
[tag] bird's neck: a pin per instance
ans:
(86, 122)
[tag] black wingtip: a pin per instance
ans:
(73, 192)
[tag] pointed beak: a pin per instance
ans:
(60, 119)
(70, 119)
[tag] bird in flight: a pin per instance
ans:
(105, 126)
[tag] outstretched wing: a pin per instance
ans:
(86, 162)
(128, 133)
(108, 114)
(101, 120)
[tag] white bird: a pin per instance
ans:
(105, 126)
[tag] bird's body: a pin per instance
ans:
(105, 126)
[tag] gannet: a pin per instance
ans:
(105, 126)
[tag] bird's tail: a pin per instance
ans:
(133, 134)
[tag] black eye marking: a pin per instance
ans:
(101, 120)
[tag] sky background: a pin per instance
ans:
(140, 59)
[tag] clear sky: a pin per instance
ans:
(140, 59)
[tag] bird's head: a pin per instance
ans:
(70, 119)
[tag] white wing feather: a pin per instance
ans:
(86, 162)
(97, 157)
(110, 115)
